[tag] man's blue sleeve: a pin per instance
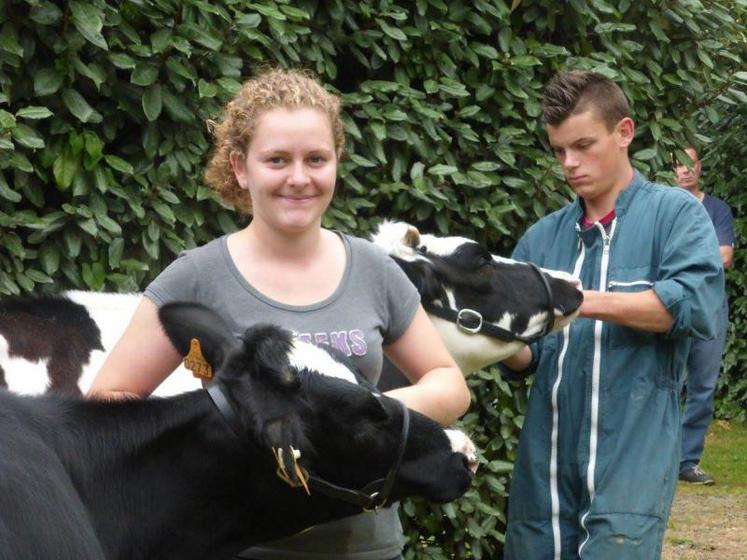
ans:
(723, 222)
(690, 277)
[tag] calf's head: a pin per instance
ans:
(458, 273)
(279, 398)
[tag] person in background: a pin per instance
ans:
(704, 360)
(598, 453)
(276, 156)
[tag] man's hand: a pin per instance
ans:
(520, 361)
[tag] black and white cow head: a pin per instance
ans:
(458, 273)
(293, 396)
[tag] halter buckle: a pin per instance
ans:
(467, 314)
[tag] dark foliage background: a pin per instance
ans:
(103, 140)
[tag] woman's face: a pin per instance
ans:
(289, 168)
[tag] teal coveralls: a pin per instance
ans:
(599, 451)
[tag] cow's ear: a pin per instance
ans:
(185, 321)
(412, 237)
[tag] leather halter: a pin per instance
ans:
(372, 496)
(471, 321)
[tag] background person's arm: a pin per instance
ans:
(141, 359)
(727, 255)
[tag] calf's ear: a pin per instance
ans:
(184, 321)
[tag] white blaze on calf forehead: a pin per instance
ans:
(506, 260)
(306, 355)
(442, 246)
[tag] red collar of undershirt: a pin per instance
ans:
(604, 220)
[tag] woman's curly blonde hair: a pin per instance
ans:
(270, 89)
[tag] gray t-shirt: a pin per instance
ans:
(372, 306)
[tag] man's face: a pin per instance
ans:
(593, 158)
(688, 178)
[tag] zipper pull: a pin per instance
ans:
(607, 239)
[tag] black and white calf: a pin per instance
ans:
(193, 476)
(503, 303)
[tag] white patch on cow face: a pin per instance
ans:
(461, 443)
(562, 275)
(536, 324)
(442, 246)
(506, 260)
(450, 298)
(306, 355)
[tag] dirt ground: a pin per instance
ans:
(707, 526)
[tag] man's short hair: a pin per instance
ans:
(571, 92)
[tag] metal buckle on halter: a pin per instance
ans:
(469, 314)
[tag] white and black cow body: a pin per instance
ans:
(181, 478)
(57, 343)
(458, 273)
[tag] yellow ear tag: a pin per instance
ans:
(196, 362)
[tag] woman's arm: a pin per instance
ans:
(141, 359)
(439, 390)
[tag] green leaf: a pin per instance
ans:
(122, 60)
(34, 112)
(8, 41)
(206, 89)
(37, 276)
(47, 81)
(392, 32)
(65, 167)
(152, 102)
(45, 13)
(12, 243)
(144, 74)
(89, 226)
(79, 107)
(7, 120)
(116, 249)
(176, 109)
(27, 136)
(645, 154)
(6, 192)
(93, 145)
(441, 169)
(119, 164)
(49, 257)
(88, 21)
(108, 224)
(525, 61)
(250, 21)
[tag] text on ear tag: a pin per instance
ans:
(196, 362)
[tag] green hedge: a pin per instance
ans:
(725, 170)
(103, 140)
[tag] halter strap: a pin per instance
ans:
(472, 322)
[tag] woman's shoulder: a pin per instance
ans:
(360, 246)
(209, 251)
